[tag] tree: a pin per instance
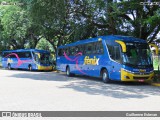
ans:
(144, 20)
(127, 17)
(15, 24)
(51, 17)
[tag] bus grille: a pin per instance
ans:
(141, 73)
(138, 78)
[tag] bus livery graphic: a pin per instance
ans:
(92, 61)
(19, 60)
(75, 60)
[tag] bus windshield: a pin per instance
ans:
(42, 58)
(138, 54)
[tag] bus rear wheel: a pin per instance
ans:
(9, 66)
(30, 67)
(68, 73)
(104, 76)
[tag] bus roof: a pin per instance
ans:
(25, 50)
(109, 37)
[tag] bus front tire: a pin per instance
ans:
(104, 76)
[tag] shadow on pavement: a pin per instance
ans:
(94, 86)
(44, 76)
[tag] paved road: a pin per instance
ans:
(50, 91)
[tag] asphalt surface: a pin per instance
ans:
(51, 91)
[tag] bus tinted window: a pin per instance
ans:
(114, 52)
(12, 56)
(99, 48)
(89, 49)
(117, 53)
(77, 49)
(5, 54)
(66, 50)
(24, 54)
(60, 52)
(72, 51)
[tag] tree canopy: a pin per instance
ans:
(24, 23)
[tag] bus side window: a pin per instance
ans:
(89, 49)
(94, 48)
(60, 52)
(5, 54)
(66, 50)
(99, 48)
(81, 49)
(114, 52)
(12, 56)
(117, 53)
(21, 54)
(76, 49)
(72, 51)
(85, 49)
(28, 55)
(110, 51)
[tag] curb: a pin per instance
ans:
(156, 84)
(55, 71)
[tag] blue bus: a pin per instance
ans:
(31, 59)
(0, 59)
(119, 58)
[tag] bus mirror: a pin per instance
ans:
(155, 46)
(123, 45)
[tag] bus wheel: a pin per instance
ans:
(105, 77)
(30, 67)
(68, 71)
(9, 66)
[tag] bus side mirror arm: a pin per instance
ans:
(123, 45)
(155, 46)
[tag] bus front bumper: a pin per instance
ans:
(128, 76)
(44, 67)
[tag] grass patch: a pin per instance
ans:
(156, 62)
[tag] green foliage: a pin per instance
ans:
(15, 24)
(156, 62)
(43, 44)
(64, 21)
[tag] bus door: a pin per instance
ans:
(115, 71)
(115, 63)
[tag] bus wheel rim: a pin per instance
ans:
(104, 76)
(30, 68)
(9, 67)
(67, 71)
